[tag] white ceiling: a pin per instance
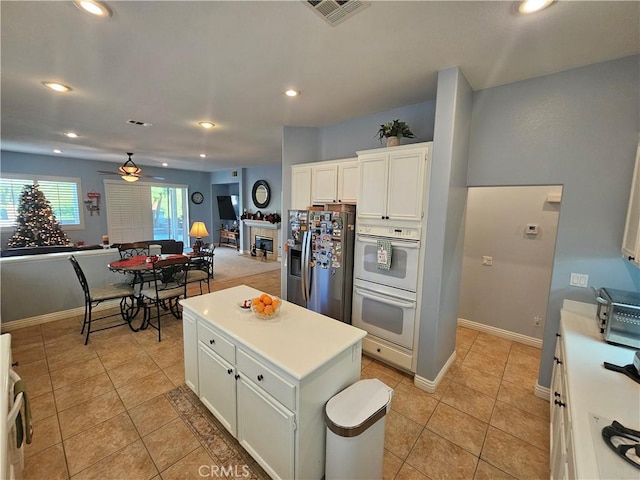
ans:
(173, 64)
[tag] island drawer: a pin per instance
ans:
(271, 382)
(216, 342)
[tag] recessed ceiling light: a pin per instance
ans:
(206, 124)
(531, 6)
(203, 155)
(165, 164)
(94, 7)
(292, 93)
(57, 151)
(71, 134)
(58, 87)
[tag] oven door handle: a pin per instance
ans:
(384, 299)
(394, 243)
(13, 413)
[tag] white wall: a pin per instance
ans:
(508, 294)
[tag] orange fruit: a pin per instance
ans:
(255, 301)
(267, 300)
(258, 307)
(268, 310)
(275, 303)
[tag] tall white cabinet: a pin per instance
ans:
(267, 381)
(392, 183)
(631, 238)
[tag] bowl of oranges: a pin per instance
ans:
(265, 306)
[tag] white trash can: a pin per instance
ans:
(355, 420)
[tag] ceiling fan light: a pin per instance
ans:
(207, 125)
(58, 87)
(130, 178)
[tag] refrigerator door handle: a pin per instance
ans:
(307, 267)
(303, 266)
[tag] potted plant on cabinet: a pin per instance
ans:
(393, 131)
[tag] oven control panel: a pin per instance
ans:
(389, 232)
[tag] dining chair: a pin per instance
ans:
(169, 284)
(136, 249)
(129, 250)
(93, 296)
(201, 268)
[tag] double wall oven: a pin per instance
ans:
(385, 300)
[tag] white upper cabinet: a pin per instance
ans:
(300, 187)
(631, 238)
(324, 183)
(335, 182)
(392, 182)
(348, 181)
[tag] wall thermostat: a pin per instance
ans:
(531, 229)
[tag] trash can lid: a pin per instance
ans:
(353, 406)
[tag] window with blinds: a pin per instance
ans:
(137, 211)
(63, 194)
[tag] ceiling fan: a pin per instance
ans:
(129, 171)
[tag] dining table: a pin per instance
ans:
(138, 266)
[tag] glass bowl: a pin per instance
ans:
(265, 306)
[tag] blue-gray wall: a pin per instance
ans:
(210, 184)
(579, 129)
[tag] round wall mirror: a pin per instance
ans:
(261, 194)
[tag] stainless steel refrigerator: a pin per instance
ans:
(320, 260)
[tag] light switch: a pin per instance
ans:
(579, 280)
(488, 261)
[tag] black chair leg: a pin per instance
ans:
(86, 340)
(158, 311)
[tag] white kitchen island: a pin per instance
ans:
(267, 381)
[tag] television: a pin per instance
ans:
(228, 207)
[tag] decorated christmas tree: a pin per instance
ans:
(36, 225)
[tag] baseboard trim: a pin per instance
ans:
(498, 332)
(54, 316)
(431, 385)
(542, 392)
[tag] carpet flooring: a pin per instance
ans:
(229, 264)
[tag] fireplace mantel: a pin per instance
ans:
(261, 224)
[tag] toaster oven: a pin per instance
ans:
(619, 316)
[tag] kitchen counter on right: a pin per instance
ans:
(595, 396)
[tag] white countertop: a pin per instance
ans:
(298, 340)
(595, 390)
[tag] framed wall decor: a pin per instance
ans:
(261, 194)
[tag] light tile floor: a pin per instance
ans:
(99, 410)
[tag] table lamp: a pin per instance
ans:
(198, 230)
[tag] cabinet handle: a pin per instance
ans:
(559, 403)
(212, 341)
(237, 376)
(557, 360)
(15, 364)
(558, 335)
(556, 394)
(631, 258)
(260, 377)
(378, 350)
(230, 371)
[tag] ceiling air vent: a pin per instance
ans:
(136, 122)
(336, 11)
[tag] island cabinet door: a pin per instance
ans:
(217, 386)
(190, 336)
(266, 430)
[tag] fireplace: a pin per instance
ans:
(264, 244)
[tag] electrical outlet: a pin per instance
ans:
(537, 320)
(488, 261)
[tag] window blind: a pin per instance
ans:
(129, 214)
